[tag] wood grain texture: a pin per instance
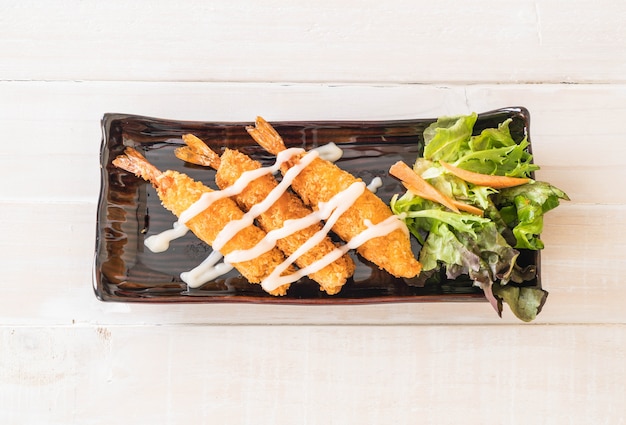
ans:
(324, 41)
(579, 148)
(584, 279)
(49, 217)
(404, 374)
(55, 331)
(66, 358)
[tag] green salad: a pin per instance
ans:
(500, 211)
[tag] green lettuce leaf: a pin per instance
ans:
(448, 136)
(484, 248)
(465, 241)
(525, 302)
(495, 152)
(443, 246)
(523, 207)
(461, 244)
(512, 161)
(421, 215)
(492, 152)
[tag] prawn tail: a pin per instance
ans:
(134, 162)
(266, 136)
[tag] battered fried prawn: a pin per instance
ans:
(178, 192)
(322, 180)
(229, 168)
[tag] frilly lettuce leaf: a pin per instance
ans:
(525, 302)
(464, 240)
(460, 243)
(493, 151)
(442, 245)
(483, 248)
(523, 207)
(421, 215)
(448, 136)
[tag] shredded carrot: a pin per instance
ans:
(496, 182)
(419, 186)
(468, 208)
(462, 206)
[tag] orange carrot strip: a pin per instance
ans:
(468, 208)
(419, 186)
(462, 206)
(496, 182)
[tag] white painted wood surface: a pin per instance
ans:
(66, 358)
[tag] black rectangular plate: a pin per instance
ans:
(129, 209)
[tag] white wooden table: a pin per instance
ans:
(67, 358)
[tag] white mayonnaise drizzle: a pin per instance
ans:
(373, 231)
(330, 212)
(376, 183)
(208, 270)
(231, 229)
(240, 184)
(161, 241)
(330, 152)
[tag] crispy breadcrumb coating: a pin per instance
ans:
(178, 192)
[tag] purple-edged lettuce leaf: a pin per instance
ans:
(522, 208)
(525, 302)
(460, 244)
(483, 248)
(492, 152)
